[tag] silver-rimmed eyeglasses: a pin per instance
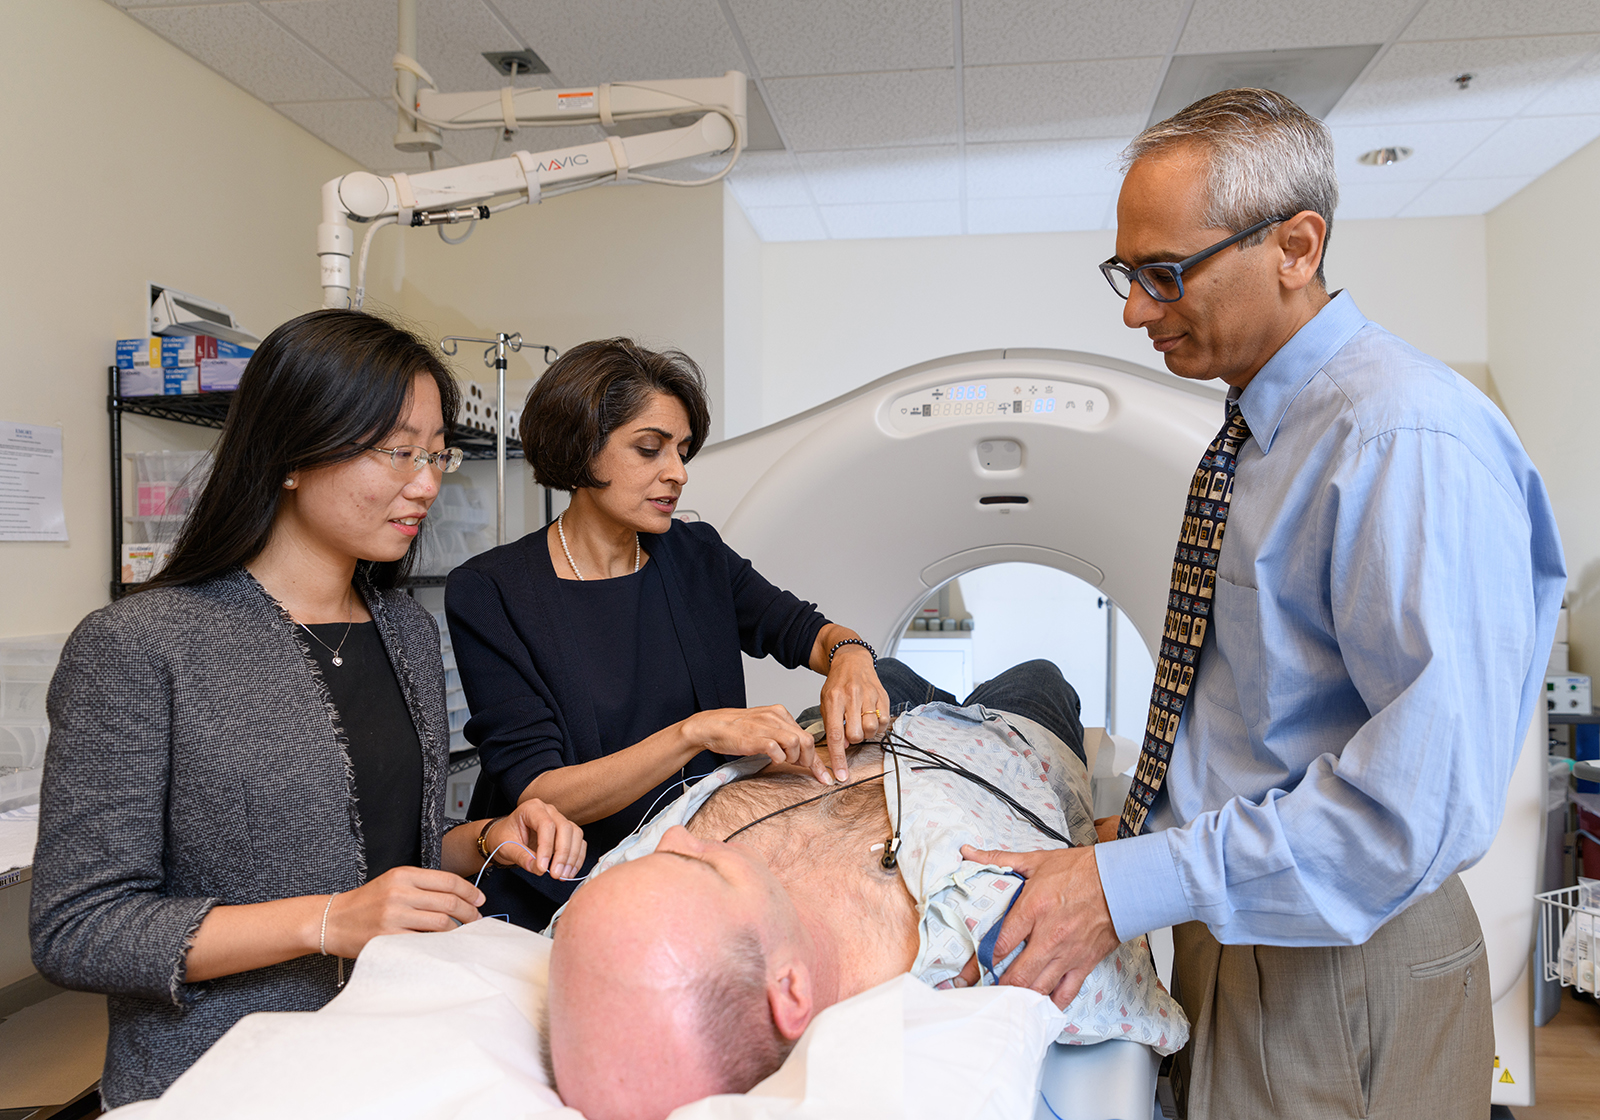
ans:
(1163, 280)
(409, 460)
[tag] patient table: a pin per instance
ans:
(446, 1025)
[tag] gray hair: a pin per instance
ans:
(743, 1045)
(1266, 157)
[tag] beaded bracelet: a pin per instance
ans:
(853, 642)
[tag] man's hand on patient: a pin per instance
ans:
(1061, 914)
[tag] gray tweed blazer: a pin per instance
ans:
(195, 760)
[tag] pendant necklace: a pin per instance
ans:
(337, 660)
(562, 533)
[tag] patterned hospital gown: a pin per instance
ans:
(959, 901)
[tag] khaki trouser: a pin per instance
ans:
(1397, 1028)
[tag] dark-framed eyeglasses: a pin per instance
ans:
(409, 460)
(1163, 280)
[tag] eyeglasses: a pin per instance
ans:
(1163, 280)
(409, 460)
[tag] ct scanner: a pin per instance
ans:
(869, 502)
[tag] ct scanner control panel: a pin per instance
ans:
(1015, 399)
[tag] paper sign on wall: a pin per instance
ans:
(30, 483)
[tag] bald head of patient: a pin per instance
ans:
(683, 974)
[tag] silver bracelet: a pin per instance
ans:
(322, 941)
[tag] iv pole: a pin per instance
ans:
(494, 357)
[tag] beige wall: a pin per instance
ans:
(637, 260)
(837, 314)
(127, 162)
(1545, 364)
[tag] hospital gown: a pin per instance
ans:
(959, 901)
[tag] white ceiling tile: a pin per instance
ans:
(1044, 168)
(1007, 31)
(1452, 197)
(866, 110)
(1492, 19)
(786, 223)
(1216, 26)
(585, 41)
(1415, 81)
(768, 179)
(359, 36)
(789, 39)
(1036, 215)
(1436, 147)
(362, 130)
(1528, 146)
(885, 175)
(1060, 100)
(1577, 92)
(900, 219)
(1372, 200)
(251, 51)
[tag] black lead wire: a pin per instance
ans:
(894, 744)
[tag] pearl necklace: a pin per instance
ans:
(562, 533)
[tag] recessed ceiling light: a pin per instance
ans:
(1383, 157)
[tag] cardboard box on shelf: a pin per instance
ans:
(139, 372)
(217, 362)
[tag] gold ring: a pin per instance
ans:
(874, 712)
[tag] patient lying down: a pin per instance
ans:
(693, 963)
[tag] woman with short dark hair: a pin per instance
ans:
(245, 776)
(601, 655)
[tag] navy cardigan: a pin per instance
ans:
(516, 649)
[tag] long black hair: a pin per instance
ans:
(318, 389)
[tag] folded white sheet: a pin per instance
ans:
(445, 1025)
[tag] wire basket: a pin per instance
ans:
(1570, 921)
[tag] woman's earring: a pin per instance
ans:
(289, 483)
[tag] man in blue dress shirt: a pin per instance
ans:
(1385, 600)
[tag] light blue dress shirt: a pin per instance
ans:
(1386, 599)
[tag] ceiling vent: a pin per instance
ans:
(1314, 78)
(512, 63)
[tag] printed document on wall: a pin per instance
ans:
(30, 483)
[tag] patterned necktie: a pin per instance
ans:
(1194, 582)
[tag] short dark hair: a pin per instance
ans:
(317, 391)
(1265, 156)
(743, 1045)
(591, 391)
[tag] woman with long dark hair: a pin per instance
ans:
(247, 758)
(601, 655)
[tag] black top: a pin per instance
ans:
(634, 649)
(543, 675)
(385, 754)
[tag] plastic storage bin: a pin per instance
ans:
(26, 666)
(165, 486)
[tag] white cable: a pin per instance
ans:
(471, 225)
(360, 292)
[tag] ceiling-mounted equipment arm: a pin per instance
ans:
(453, 194)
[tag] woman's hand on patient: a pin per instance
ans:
(855, 706)
(771, 731)
(538, 839)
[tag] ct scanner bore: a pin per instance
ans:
(866, 503)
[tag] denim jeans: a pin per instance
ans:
(1033, 689)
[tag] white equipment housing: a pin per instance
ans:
(175, 312)
(866, 505)
(453, 194)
